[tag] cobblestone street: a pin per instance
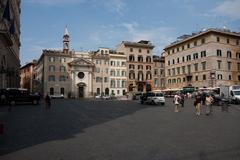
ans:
(118, 130)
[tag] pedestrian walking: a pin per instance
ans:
(176, 101)
(197, 104)
(182, 100)
(47, 102)
(208, 102)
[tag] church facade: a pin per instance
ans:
(65, 72)
(81, 74)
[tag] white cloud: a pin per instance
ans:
(117, 6)
(159, 36)
(54, 2)
(230, 9)
(111, 35)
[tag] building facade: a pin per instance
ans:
(9, 43)
(65, 72)
(101, 72)
(158, 73)
(118, 73)
(28, 75)
(139, 65)
(205, 59)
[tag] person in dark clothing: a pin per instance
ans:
(182, 99)
(203, 98)
(47, 101)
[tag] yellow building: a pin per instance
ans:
(205, 59)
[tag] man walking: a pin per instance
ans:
(47, 102)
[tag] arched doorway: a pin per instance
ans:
(130, 88)
(140, 87)
(106, 91)
(148, 88)
(81, 89)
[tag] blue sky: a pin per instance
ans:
(105, 23)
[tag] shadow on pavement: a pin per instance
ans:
(29, 125)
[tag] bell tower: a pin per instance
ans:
(66, 41)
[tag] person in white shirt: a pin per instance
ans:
(176, 101)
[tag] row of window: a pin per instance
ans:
(113, 72)
(189, 45)
(117, 83)
(139, 58)
(203, 54)
(52, 68)
(53, 78)
(140, 76)
(117, 73)
(112, 63)
(156, 73)
(199, 42)
(196, 78)
(229, 54)
(139, 50)
(162, 82)
(132, 66)
(177, 70)
(114, 83)
(188, 58)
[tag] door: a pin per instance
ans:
(81, 92)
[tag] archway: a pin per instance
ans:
(148, 88)
(81, 89)
(106, 91)
(130, 88)
(140, 87)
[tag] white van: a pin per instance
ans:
(153, 98)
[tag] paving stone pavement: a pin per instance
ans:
(119, 130)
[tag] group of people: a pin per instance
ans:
(200, 99)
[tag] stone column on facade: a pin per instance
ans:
(73, 84)
(90, 84)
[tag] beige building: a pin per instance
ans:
(27, 75)
(110, 72)
(205, 59)
(139, 65)
(118, 73)
(9, 43)
(158, 72)
(101, 72)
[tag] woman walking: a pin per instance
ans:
(208, 103)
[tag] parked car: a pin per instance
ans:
(104, 97)
(16, 95)
(152, 98)
(57, 96)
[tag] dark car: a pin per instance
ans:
(16, 95)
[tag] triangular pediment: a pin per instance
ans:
(81, 62)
